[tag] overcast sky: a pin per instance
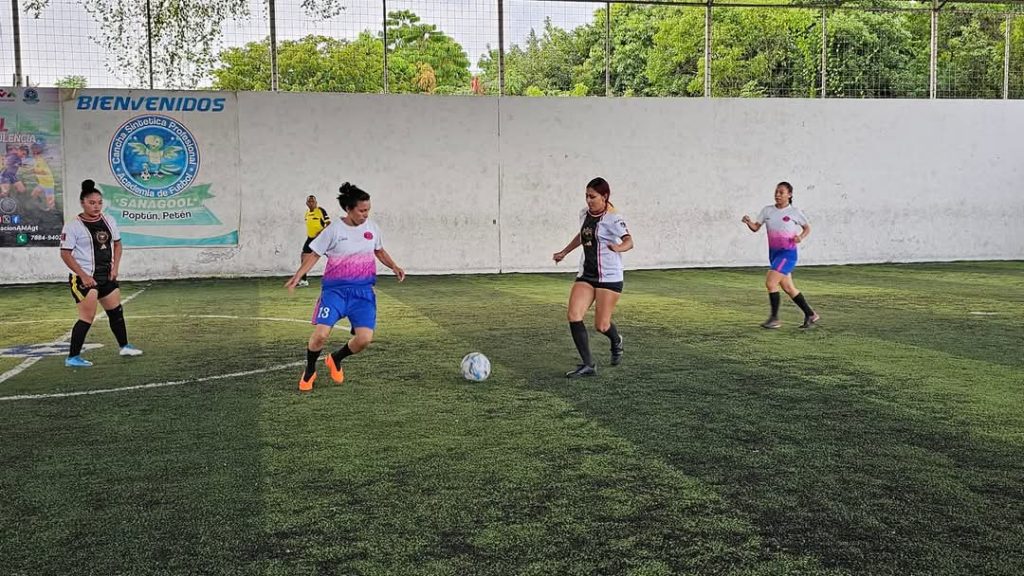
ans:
(61, 43)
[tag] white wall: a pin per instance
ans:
(880, 180)
(900, 180)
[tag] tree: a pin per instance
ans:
(311, 64)
(971, 55)
(421, 59)
(877, 55)
(425, 79)
(412, 44)
(72, 82)
(554, 63)
(185, 34)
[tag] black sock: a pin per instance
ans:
(304, 277)
(582, 340)
(802, 303)
(311, 356)
(774, 298)
(613, 334)
(78, 333)
(116, 318)
(340, 355)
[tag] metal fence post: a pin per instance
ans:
(149, 40)
(501, 48)
(824, 54)
(1006, 57)
(933, 61)
(384, 7)
(274, 81)
(707, 50)
(607, 48)
(16, 24)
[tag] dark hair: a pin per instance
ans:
(349, 195)
(788, 187)
(88, 189)
(600, 185)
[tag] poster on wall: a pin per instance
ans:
(31, 202)
(166, 162)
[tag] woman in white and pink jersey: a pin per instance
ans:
(604, 236)
(787, 227)
(352, 246)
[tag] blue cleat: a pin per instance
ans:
(77, 362)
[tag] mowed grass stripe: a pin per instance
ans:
(164, 482)
(423, 472)
(874, 486)
(983, 392)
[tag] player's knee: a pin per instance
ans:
(603, 326)
(574, 316)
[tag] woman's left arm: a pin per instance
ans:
(806, 230)
(388, 261)
(623, 246)
(116, 262)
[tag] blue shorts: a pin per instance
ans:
(782, 261)
(8, 177)
(357, 303)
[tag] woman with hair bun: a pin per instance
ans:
(352, 246)
(90, 246)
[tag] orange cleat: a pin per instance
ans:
(337, 374)
(306, 385)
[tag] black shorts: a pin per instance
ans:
(79, 292)
(613, 286)
(305, 247)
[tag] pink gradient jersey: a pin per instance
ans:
(349, 251)
(783, 225)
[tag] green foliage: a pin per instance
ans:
(72, 82)
(185, 35)
(655, 50)
(420, 59)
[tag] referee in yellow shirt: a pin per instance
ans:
(316, 220)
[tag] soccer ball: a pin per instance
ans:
(475, 367)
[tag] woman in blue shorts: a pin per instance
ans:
(787, 227)
(352, 246)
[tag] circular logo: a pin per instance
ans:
(154, 156)
(785, 218)
(368, 235)
(31, 95)
(8, 205)
(102, 237)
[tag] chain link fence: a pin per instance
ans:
(682, 48)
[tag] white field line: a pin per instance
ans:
(28, 362)
(148, 316)
(149, 386)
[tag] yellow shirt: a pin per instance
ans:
(316, 220)
(44, 176)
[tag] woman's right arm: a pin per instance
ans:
(572, 245)
(75, 268)
(751, 223)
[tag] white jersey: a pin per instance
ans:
(598, 263)
(350, 253)
(91, 244)
(783, 225)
